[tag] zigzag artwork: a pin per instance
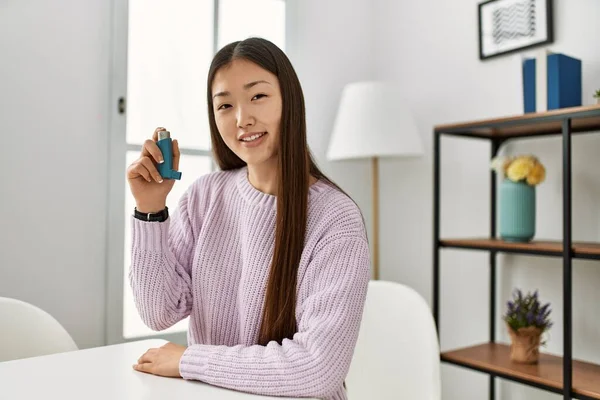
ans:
(514, 21)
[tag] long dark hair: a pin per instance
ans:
(296, 165)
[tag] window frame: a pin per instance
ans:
(117, 152)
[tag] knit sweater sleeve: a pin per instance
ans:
(315, 362)
(160, 274)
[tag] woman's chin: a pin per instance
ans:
(256, 160)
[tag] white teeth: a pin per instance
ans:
(253, 137)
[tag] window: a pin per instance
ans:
(163, 65)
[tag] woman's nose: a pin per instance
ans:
(244, 118)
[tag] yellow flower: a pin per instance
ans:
(537, 174)
(520, 168)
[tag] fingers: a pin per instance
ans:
(145, 168)
(147, 357)
(176, 155)
(136, 170)
(146, 163)
(143, 367)
(151, 149)
(144, 363)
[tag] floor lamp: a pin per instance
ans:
(373, 122)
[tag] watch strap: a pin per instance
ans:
(152, 217)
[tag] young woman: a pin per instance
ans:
(267, 256)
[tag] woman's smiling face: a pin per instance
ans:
(247, 105)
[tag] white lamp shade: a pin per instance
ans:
(372, 121)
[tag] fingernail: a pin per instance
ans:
(161, 161)
(161, 181)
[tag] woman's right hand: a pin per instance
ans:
(147, 186)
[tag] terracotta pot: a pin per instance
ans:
(525, 344)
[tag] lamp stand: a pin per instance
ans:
(375, 182)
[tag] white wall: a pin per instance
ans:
(54, 118)
(430, 48)
(331, 44)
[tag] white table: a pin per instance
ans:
(101, 373)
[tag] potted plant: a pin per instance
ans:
(597, 96)
(526, 320)
(517, 195)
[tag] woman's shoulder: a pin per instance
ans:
(333, 213)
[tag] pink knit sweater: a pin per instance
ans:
(210, 260)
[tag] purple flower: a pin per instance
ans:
(526, 310)
(529, 318)
(518, 309)
(519, 295)
(539, 321)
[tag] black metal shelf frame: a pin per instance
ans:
(565, 120)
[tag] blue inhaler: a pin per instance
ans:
(165, 144)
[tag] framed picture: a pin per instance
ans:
(508, 26)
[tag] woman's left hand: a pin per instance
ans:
(162, 361)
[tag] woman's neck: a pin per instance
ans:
(263, 177)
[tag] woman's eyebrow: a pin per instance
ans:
(246, 87)
(249, 85)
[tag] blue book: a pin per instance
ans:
(564, 81)
(529, 85)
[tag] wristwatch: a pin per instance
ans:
(152, 217)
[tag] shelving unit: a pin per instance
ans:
(571, 378)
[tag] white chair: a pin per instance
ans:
(397, 353)
(28, 331)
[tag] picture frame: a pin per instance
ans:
(509, 26)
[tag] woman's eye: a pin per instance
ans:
(259, 96)
(223, 106)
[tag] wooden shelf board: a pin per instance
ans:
(495, 358)
(584, 118)
(580, 249)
